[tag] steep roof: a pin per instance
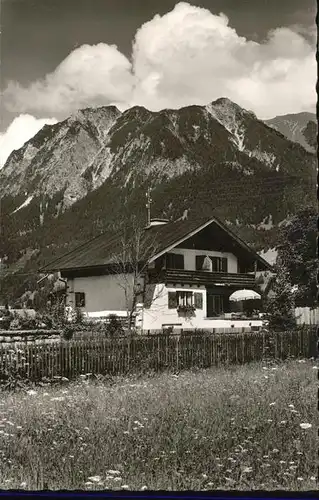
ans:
(157, 240)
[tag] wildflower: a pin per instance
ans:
(292, 467)
(291, 406)
(125, 487)
(299, 478)
(113, 472)
(305, 425)
(32, 392)
(282, 461)
(95, 479)
(247, 469)
(144, 488)
(313, 478)
(23, 484)
(283, 421)
(275, 450)
(204, 476)
(229, 479)
(117, 478)
(210, 484)
(272, 404)
(269, 420)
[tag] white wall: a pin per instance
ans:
(159, 314)
(102, 293)
(307, 316)
(190, 258)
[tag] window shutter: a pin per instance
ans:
(172, 300)
(174, 261)
(198, 300)
(224, 265)
(179, 261)
(215, 264)
(199, 262)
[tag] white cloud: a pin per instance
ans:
(190, 56)
(22, 128)
(91, 75)
(187, 56)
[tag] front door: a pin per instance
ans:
(215, 303)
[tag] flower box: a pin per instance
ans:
(186, 309)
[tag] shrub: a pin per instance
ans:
(79, 317)
(68, 331)
(114, 326)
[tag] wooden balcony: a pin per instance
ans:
(185, 277)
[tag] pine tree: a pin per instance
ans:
(280, 307)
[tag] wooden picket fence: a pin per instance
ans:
(141, 354)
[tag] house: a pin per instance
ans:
(181, 276)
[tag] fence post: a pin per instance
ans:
(177, 353)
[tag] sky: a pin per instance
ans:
(61, 55)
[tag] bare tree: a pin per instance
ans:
(131, 264)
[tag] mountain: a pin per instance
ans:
(55, 159)
(79, 177)
(298, 127)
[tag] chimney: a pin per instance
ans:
(157, 222)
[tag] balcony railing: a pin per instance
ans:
(185, 277)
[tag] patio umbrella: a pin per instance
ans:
(244, 294)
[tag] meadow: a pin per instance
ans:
(239, 427)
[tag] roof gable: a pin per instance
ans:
(157, 240)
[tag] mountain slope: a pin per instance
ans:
(298, 127)
(217, 158)
(56, 158)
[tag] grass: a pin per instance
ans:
(225, 428)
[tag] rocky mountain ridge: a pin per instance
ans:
(75, 178)
(298, 127)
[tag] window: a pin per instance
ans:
(181, 298)
(203, 263)
(215, 305)
(215, 264)
(79, 299)
(174, 261)
(220, 264)
(184, 298)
